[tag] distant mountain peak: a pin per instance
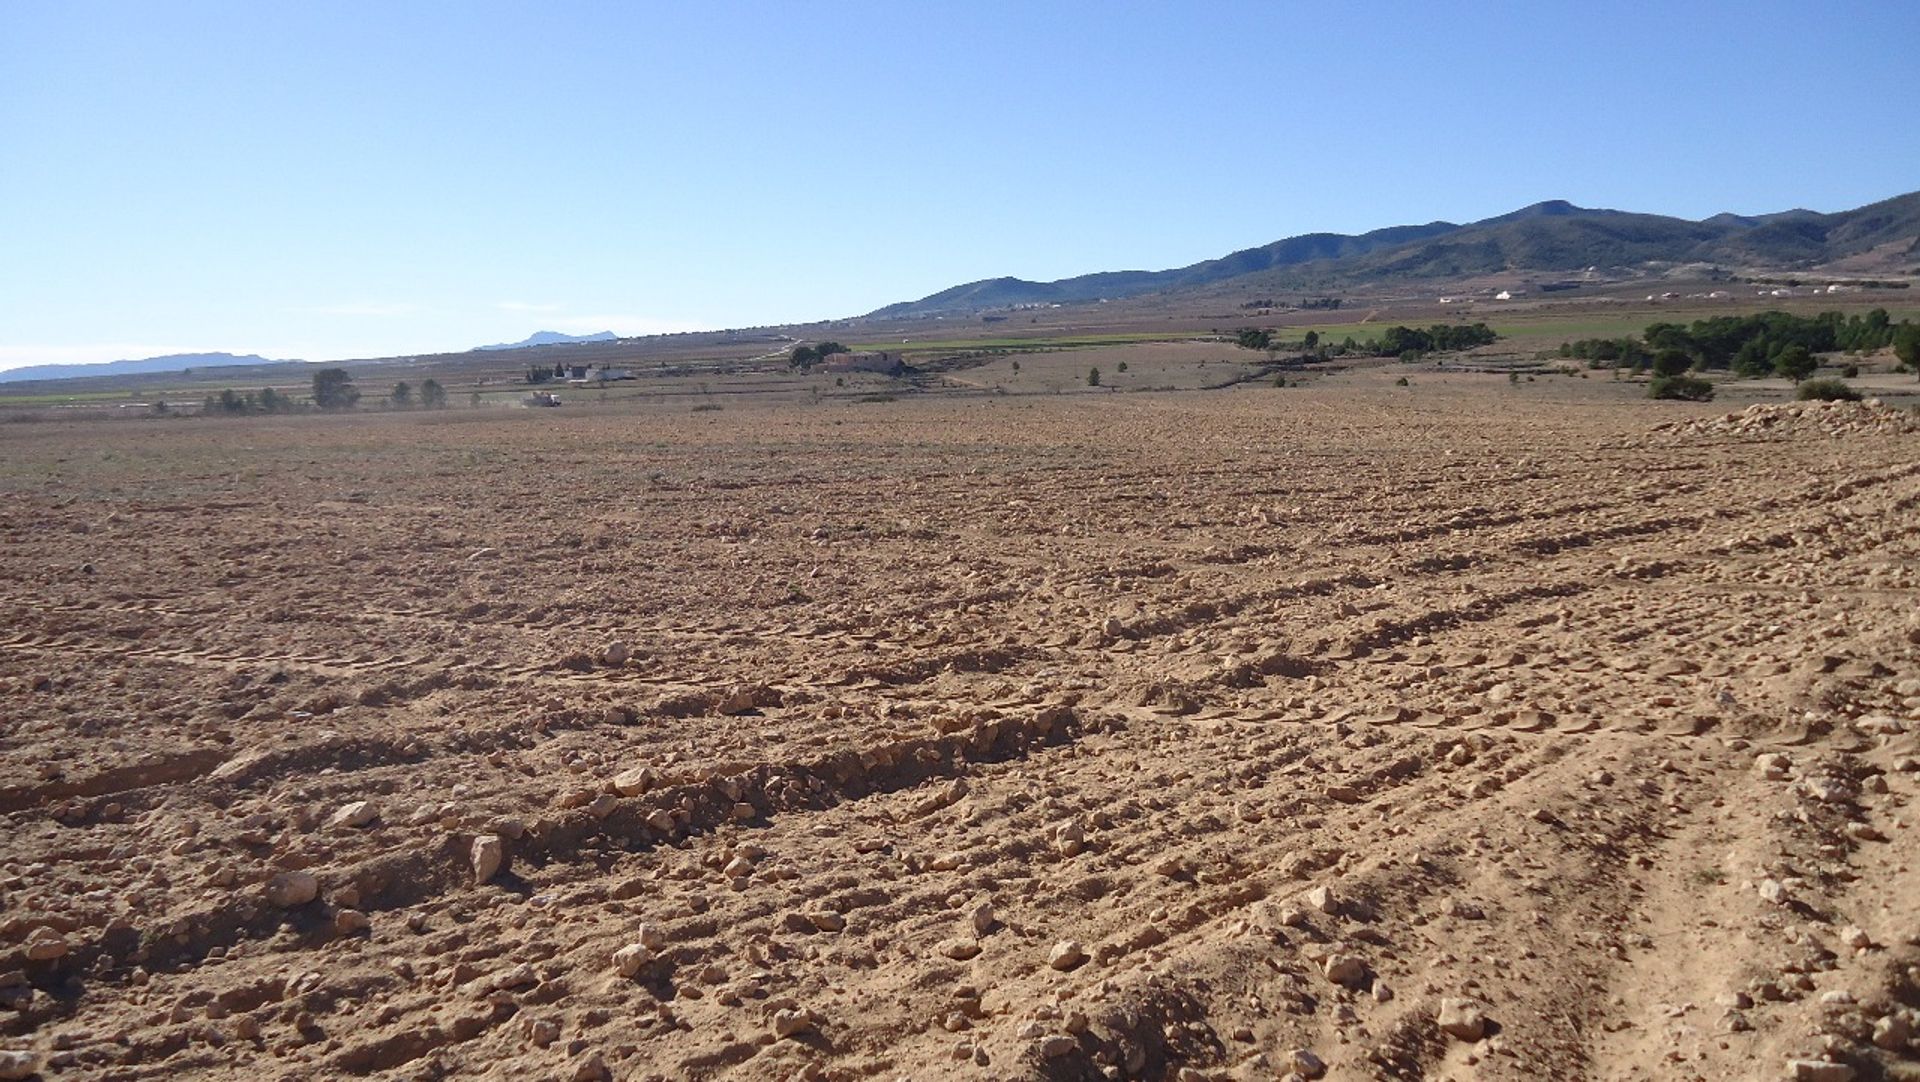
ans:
(1554, 236)
(553, 338)
(172, 362)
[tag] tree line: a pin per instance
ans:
(333, 392)
(1761, 344)
(1396, 341)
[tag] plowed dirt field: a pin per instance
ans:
(1457, 734)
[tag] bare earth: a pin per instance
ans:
(1222, 735)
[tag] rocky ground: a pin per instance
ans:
(1463, 733)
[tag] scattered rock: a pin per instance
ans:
(353, 816)
(489, 855)
(1345, 970)
(1774, 891)
(44, 944)
(635, 781)
(592, 1068)
(631, 959)
(960, 949)
(1856, 937)
(791, 1023)
(1323, 899)
(290, 889)
(1892, 1033)
(615, 654)
(1055, 1045)
(1819, 1070)
(1306, 1064)
(15, 1066)
(351, 922)
(1067, 954)
(983, 918)
(1462, 1019)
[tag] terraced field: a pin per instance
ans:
(1236, 735)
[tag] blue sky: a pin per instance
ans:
(354, 179)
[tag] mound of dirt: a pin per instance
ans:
(1782, 420)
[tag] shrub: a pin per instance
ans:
(1401, 382)
(1684, 388)
(1851, 371)
(1093, 377)
(1826, 390)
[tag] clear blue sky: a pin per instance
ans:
(346, 179)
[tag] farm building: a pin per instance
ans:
(887, 364)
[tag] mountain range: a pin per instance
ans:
(171, 363)
(552, 338)
(1554, 236)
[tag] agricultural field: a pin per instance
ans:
(1460, 729)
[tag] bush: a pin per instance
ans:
(1684, 388)
(1851, 371)
(1826, 390)
(1093, 377)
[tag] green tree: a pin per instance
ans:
(802, 357)
(1312, 340)
(432, 395)
(402, 395)
(1795, 363)
(272, 401)
(1671, 362)
(1906, 344)
(1093, 377)
(333, 389)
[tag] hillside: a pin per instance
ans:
(1552, 236)
(552, 338)
(171, 363)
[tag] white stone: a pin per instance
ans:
(489, 854)
(1463, 1019)
(631, 959)
(44, 945)
(1819, 1070)
(958, 949)
(1066, 954)
(290, 889)
(633, 782)
(789, 1023)
(354, 815)
(1344, 969)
